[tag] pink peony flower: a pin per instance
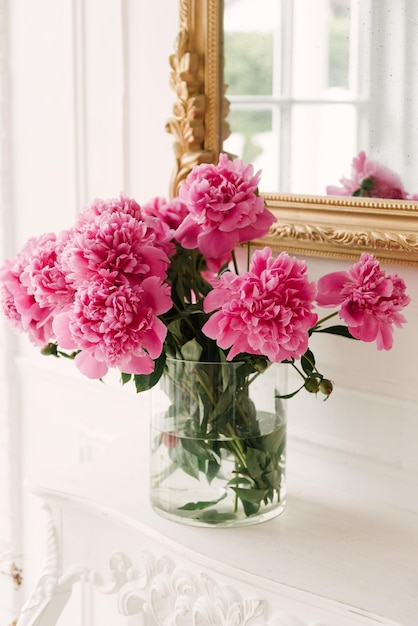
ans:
(161, 217)
(114, 243)
(370, 300)
(34, 287)
(224, 208)
(265, 311)
(115, 325)
(170, 212)
(370, 179)
(122, 205)
(43, 275)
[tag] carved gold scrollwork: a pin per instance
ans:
(198, 123)
(344, 227)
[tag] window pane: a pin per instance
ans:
(297, 73)
(327, 154)
(339, 44)
(250, 63)
(310, 48)
(249, 45)
(256, 140)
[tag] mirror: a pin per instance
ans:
(313, 225)
(311, 84)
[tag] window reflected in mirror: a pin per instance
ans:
(308, 85)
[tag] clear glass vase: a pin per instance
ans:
(218, 443)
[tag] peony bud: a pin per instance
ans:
(326, 387)
(50, 348)
(312, 385)
(261, 364)
(170, 440)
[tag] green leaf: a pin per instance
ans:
(307, 362)
(337, 330)
(174, 328)
(225, 373)
(125, 378)
(250, 508)
(188, 462)
(191, 350)
(198, 506)
(256, 462)
(225, 402)
(143, 382)
(273, 479)
(239, 480)
(212, 470)
(250, 495)
(273, 442)
(200, 449)
(213, 516)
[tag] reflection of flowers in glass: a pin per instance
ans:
(265, 311)
(370, 300)
(370, 179)
(170, 439)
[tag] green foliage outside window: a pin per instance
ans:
(339, 48)
(248, 123)
(249, 66)
(249, 71)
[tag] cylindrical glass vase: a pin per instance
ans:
(218, 443)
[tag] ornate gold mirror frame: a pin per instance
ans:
(326, 226)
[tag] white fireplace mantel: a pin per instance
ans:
(344, 552)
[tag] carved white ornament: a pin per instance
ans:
(154, 586)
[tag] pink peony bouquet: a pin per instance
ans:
(371, 179)
(128, 285)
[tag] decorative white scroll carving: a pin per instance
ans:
(174, 595)
(154, 586)
(49, 596)
(46, 585)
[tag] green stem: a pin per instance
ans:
(193, 281)
(234, 261)
(235, 443)
(71, 356)
(298, 370)
(235, 509)
(324, 319)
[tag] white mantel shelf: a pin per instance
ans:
(344, 552)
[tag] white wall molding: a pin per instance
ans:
(79, 87)
(10, 481)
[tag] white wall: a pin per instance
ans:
(87, 86)
(373, 410)
(89, 97)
